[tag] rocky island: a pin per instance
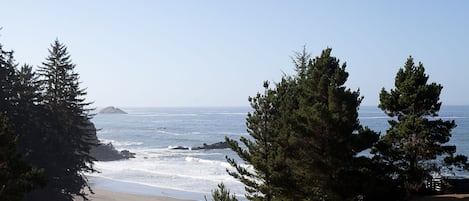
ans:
(111, 110)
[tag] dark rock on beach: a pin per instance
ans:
(218, 145)
(112, 110)
(180, 148)
(105, 152)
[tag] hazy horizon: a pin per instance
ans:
(217, 54)
(221, 106)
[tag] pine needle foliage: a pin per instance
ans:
(415, 144)
(304, 135)
(17, 176)
(66, 135)
(222, 194)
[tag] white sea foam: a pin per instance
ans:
(149, 132)
(209, 162)
(120, 143)
(233, 133)
(168, 132)
(163, 168)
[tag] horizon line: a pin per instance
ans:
(224, 106)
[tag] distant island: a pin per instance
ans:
(112, 110)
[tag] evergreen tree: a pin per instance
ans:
(16, 176)
(28, 112)
(28, 87)
(14, 97)
(305, 136)
(8, 79)
(264, 154)
(66, 140)
(415, 142)
(222, 194)
(326, 131)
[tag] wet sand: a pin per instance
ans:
(105, 195)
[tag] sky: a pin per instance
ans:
(186, 53)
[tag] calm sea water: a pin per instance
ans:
(149, 132)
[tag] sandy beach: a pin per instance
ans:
(105, 195)
(446, 197)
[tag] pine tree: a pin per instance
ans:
(326, 132)
(222, 194)
(305, 135)
(66, 130)
(15, 96)
(263, 153)
(16, 176)
(415, 142)
(27, 118)
(28, 86)
(8, 79)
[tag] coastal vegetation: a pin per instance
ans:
(222, 194)
(44, 117)
(305, 139)
(305, 135)
(306, 142)
(16, 176)
(414, 146)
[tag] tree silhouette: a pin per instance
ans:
(16, 176)
(66, 131)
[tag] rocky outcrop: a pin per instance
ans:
(111, 110)
(218, 145)
(107, 152)
(179, 148)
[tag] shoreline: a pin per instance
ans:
(108, 186)
(112, 187)
(107, 195)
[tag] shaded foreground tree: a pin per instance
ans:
(16, 176)
(65, 136)
(8, 79)
(19, 99)
(304, 137)
(414, 146)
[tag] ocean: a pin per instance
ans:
(193, 174)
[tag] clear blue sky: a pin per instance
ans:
(217, 53)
